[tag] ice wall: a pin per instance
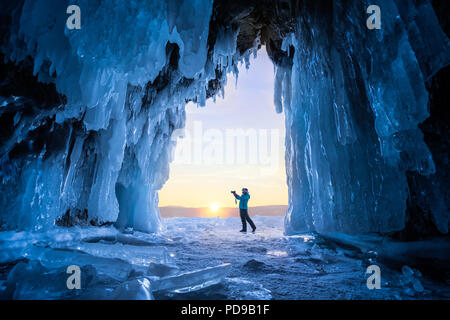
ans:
(119, 103)
(353, 100)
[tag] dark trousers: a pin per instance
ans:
(245, 217)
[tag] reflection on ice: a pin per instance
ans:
(248, 290)
(194, 280)
(277, 253)
(304, 237)
(137, 289)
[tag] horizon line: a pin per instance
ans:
(267, 205)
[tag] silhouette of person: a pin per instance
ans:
(243, 209)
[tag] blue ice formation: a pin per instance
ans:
(353, 100)
(100, 149)
(114, 167)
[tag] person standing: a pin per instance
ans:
(243, 209)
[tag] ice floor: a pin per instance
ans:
(199, 258)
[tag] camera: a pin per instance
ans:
(233, 191)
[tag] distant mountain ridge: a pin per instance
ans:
(204, 212)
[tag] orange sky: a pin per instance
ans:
(204, 170)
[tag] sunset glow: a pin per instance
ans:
(205, 177)
(214, 207)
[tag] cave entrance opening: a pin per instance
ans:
(233, 142)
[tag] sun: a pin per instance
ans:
(214, 207)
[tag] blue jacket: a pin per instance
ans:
(243, 200)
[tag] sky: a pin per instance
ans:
(235, 142)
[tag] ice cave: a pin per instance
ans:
(87, 116)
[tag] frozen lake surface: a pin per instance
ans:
(202, 258)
